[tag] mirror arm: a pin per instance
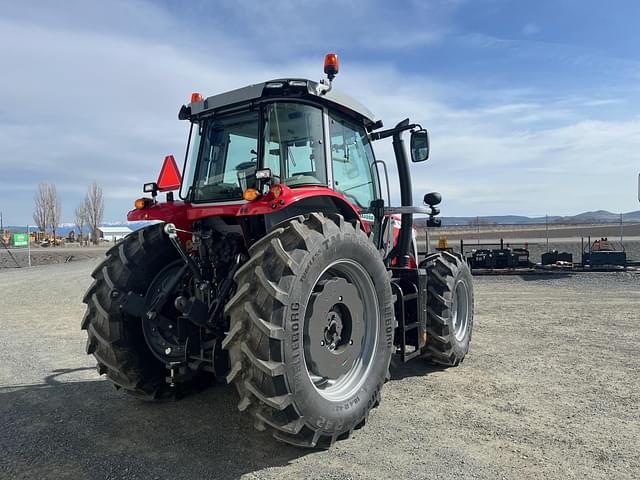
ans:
(403, 246)
(401, 127)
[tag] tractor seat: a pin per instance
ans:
(302, 179)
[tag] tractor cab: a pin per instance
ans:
(289, 146)
(288, 131)
(240, 155)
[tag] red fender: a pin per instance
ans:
(182, 214)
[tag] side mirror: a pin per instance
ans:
(419, 146)
(433, 198)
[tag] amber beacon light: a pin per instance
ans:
(331, 65)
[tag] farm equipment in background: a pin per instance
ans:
(282, 268)
(507, 257)
(603, 255)
(520, 257)
(481, 258)
(502, 258)
(558, 260)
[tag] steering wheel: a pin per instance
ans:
(217, 189)
(245, 165)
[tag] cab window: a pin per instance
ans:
(227, 156)
(189, 173)
(293, 144)
(351, 157)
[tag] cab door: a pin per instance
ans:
(351, 160)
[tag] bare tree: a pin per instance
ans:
(54, 209)
(81, 219)
(40, 208)
(94, 206)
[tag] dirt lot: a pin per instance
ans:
(549, 390)
(18, 257)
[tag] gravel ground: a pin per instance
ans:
(19, 257)
(549, 390)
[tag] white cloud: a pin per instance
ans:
(79, 102)
(297, 27)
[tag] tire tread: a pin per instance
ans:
(261, 380)
(112, 337)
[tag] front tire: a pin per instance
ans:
(311, 330)
(449, 308)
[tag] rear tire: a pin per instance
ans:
(314, 278)
(114, 338)
(449, 308)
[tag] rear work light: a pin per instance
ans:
(151, 187)
(263, 174)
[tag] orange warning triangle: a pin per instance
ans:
(170, 177)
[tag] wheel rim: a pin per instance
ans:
(460, 309)
(341, 329)
(160, 330)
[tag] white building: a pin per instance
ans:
(113, 234)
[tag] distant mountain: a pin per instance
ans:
(599, 216)
(602, 216)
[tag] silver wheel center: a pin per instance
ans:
(341, 329)
(460, 310)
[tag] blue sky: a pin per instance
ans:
(532, 106)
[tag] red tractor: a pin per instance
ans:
(281, 268)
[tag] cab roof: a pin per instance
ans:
(283, 88)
